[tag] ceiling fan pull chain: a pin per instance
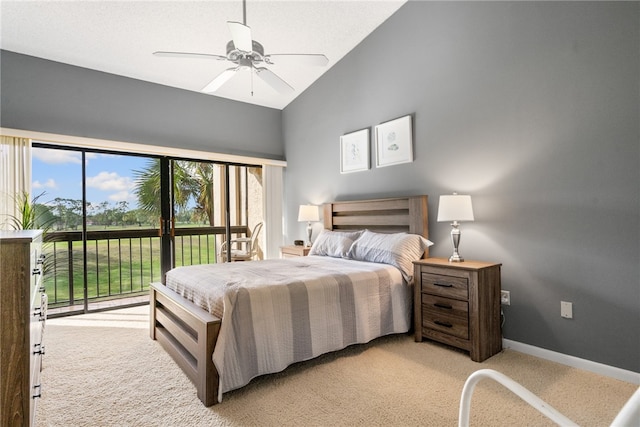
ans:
(252, 81)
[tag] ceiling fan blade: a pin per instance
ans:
(270, 78)
(189, 55)
(241, 35)
(220, 80)
(299, 58)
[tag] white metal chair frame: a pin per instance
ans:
(251, 246)
(628, 415)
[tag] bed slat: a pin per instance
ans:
(395, 220)
(188, 341)
(168, 343)
(371, 205)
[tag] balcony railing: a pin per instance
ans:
(120, 263)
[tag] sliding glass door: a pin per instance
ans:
(120, 221)
(102, 249)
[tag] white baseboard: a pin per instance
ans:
(574, 362)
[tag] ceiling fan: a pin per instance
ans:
(248, 54)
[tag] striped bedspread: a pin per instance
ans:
(278, 312)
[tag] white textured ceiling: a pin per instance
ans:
(119, 37)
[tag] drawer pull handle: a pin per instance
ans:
(445, 324)
(39, 387)
(36, 271)
(443, 285)
(39, 349)
(440, 305)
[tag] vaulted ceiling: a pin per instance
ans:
(119, 37)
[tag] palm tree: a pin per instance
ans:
(190, 180)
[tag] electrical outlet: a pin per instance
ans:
(505, 298)
(566, 309)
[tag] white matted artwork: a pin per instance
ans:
(354, 151)
(394, 142)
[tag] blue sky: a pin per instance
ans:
(110, 178)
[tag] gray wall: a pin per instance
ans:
(532, 108)
(47, 96)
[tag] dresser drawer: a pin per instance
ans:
(446, 315)
(447, 286)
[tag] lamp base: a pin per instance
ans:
(456, 258)
(455, 239)
(309, 233)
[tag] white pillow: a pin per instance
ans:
(334, 243)
(397, 249)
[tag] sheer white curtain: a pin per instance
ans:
(15, 175)
(273, 217)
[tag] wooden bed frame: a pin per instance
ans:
(189, 333)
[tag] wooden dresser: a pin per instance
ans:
(458, 303)
(23, 307)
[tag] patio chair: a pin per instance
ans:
(242, 248)
(628, 416)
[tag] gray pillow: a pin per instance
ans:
(397, 249)
(334, 243)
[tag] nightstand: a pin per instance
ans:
(294, 251)
(458, 303)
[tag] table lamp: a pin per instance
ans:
(308, 213)
(455, 207)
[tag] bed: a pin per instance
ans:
(265, 315)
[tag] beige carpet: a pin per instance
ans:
(104, 370)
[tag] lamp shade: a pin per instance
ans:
(455, 207)
(308, 213)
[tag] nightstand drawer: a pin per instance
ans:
(445, 306)
(443, 322)
(447, 286)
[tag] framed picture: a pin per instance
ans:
(394, 142)
(354, 151)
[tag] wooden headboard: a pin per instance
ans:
(394, 215)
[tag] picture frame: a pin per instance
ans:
(354, 151)
(394, 142)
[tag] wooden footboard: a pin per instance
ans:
(189, 334)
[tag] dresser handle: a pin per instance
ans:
(36, 271)
(39, 387)
(443, 285)
(445, 324)
(439, 305)
(39, 349)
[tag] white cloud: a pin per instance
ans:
(50, 183)
(54, 157)
(110, 181)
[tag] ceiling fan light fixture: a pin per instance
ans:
(256, 54)
(245, 64)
